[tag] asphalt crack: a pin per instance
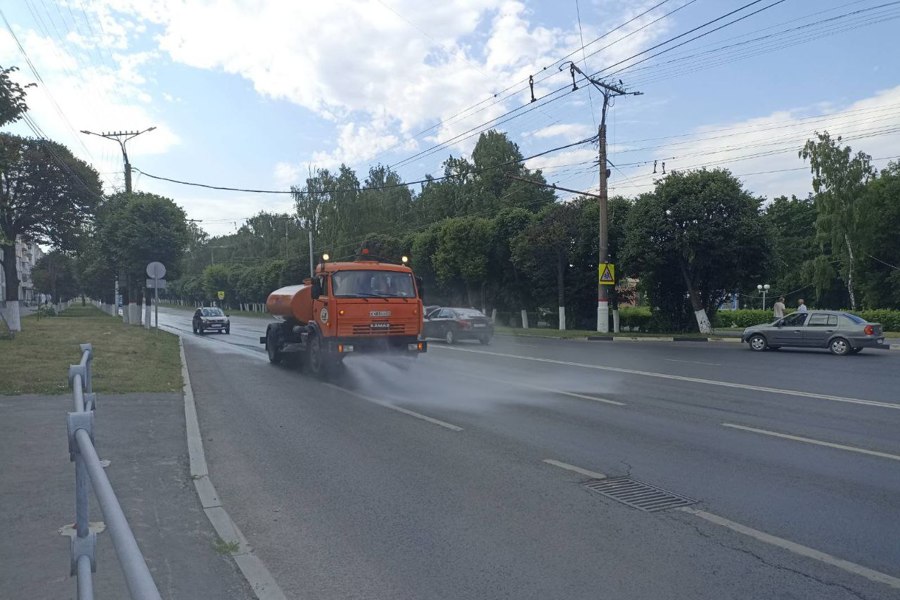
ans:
(768, 563)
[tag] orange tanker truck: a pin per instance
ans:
(366, 305)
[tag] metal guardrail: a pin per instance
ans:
(89, 470)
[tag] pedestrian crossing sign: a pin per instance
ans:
(607, 274)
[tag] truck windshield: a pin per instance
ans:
(372, 284)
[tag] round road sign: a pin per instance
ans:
(156, 270)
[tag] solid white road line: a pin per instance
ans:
(693, 362)
(544, 389)
(727, 384)
(399, 409)
(797, 438)
(252, 567)
(790, 546)
(574, 469)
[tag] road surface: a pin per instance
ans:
(465, 476)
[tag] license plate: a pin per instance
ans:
(479, 325)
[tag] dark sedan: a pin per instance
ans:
(454, 324)
(840, 332)
(211, 319)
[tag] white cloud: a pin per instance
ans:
(385, 66)
(75, 95)
(568, 131)
(763, 150)
(577, 158)
(287, 174)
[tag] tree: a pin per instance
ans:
(12, 97)
(54, 274)
(510, 288)
(796, 255)
(879, 245)
(383, 246)
(461, 258)
(136, 229)
(45, 195)
(839, 181)
(546, 248)
(699, 235)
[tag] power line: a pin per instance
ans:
(796, 36)
(37, 75)
(553, 96)
(697, 37)
(384, 187)
(519, 88)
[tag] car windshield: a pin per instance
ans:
(373, 284)
(854, 318)
(212, 312)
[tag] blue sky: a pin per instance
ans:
(254, 94)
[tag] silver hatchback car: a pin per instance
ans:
(840, 332)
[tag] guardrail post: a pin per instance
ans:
(87, 358)
(74, 422)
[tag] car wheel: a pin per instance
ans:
(758, 342)
(228, 330)
(485, 339)
(840, 346)
(450, 337)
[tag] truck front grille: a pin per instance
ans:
(393, 329)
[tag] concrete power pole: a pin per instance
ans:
(134, 313)
(608, 91)
(121, 137)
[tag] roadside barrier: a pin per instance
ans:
(89, 471)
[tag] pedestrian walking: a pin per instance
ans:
(779, 307)
(801, 306)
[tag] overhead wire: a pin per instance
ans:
(392, 186)
(522, 85)
(554, 96)
(45, 87)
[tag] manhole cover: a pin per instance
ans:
(636, 494)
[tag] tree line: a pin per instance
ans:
(487, 233)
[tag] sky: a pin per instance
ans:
(256, 94)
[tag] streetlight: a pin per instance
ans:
(763, 288)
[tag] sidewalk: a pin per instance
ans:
(143, 435)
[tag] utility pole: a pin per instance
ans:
(608, 91)
(312, 266)
(121, 137)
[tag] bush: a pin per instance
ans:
(45, 310)
(742, 318)
(635, 318)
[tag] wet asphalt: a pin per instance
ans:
(344, 496)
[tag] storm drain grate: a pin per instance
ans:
(636, 494)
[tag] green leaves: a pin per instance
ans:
(698, 232)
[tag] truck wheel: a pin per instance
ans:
(272, 348)
(315, 356)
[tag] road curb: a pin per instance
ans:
(627, 338)
(255, 572)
